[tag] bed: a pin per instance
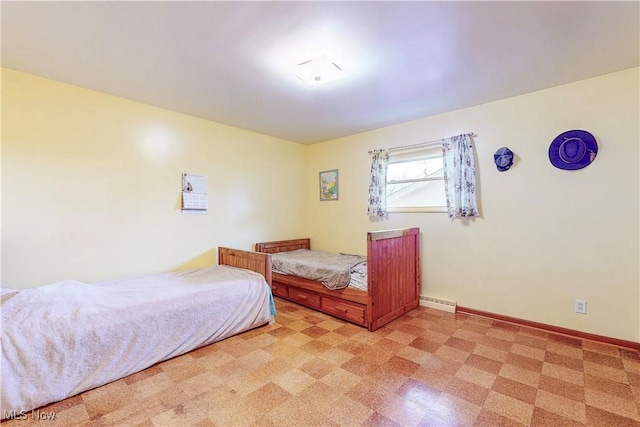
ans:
(392, 280)
(61, 339)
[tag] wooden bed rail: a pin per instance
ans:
(254, 261)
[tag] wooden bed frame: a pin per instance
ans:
(254, 261)
(393, 264)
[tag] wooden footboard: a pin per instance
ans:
(254, 261)
(393, 280)
(393, 274)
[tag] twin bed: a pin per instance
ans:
(61, 339)
(64, 338)
(390, 287)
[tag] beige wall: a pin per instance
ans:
(91, 185)
(546, 236)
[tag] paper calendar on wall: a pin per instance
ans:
(194, 194)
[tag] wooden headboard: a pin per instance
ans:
(254, 261)
(283, 246)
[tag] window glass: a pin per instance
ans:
(416, 180)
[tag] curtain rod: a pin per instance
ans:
(422, 144)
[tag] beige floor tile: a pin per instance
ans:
(566, 350)
(294, 381)
(455, 410)
(565, 374)
(607, 372)
(336, 356)
(624, 407)
(451, 353)
(402, 411)
(349, 412)
(491, 352)
(341, 380)
(476, 376)
(522, 375)
(563, 406)
(527, 351)
(509, 407)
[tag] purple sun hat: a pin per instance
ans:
(573, 149)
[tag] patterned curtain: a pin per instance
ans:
(459, 176)
(378, 186)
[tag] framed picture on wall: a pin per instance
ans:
(329, 185)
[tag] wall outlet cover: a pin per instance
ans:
(581, 306)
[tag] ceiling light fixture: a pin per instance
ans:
(318, 71)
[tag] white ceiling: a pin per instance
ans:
(228, 61)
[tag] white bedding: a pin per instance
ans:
(67, 337)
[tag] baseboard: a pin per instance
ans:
(550, 328)
(438, 303)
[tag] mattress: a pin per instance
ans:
(334, 271)
(61, 339)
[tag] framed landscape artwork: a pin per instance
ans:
(329, 185)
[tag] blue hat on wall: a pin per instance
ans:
(503, 159)
(573, 149)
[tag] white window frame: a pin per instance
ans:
(417, 154)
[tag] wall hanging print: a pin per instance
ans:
(329, 185)
(573, 149)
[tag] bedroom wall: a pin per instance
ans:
(91, 185)
(91, 191)
(546, 236)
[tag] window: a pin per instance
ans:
(415, 181)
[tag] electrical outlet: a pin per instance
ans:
(581, 306)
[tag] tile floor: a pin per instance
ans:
(428, 368)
